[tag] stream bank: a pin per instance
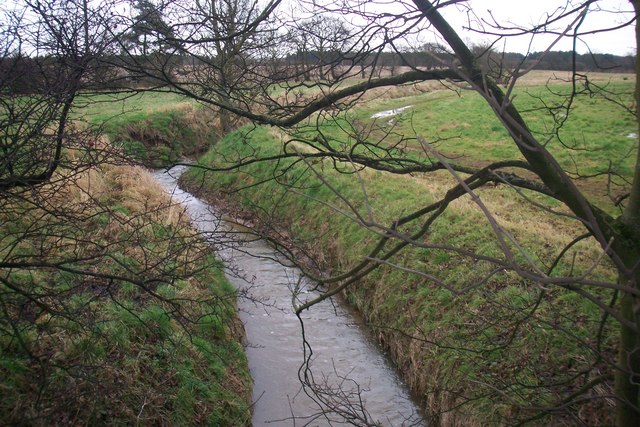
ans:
(476, 358)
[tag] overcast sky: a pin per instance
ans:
(527, 13)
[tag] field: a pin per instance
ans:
(598, 136)
(493, 346)
(488, 352)
(155, 128)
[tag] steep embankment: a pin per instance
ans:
(115, 311)
(497, 348)
(163, 137)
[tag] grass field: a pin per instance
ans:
(495, 345)
(597, 136)
(594, 137)
(515, 335)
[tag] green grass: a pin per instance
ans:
(594, 139)
(156, 128)
(111, 109)
(483, 336)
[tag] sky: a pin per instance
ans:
(606, 13)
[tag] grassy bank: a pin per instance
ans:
(155, 128)
(114, 311)
(473, 358)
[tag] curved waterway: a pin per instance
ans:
(350, 372)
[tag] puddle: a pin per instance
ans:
(390, 113)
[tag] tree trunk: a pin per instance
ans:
(225, 122)
(627, 387)
(224, 116)
(334, 71)
(628, 375)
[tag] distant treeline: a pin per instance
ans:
(31, 75)
(554, 60)
(584, 62)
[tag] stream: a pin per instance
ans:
(349, 370)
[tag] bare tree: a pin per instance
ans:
(325, 39)
(50, 52)
(538, 171)
(221, 48)
(92, 263)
